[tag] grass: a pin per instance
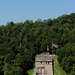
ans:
(57, 71)
(58, 68)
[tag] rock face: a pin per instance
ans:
(44, 64)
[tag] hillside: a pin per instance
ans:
(20, 42)
(58, 69)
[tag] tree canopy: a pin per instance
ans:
(20, 42)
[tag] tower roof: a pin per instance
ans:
(44, 57)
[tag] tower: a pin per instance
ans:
(44, 64)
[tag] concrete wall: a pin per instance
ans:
(47, 66)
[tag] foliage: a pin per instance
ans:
(20, 42)
(30, 72)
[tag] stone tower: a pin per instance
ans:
(44, 64)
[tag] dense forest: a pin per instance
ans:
(20, 42)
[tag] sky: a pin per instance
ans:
(22, 10)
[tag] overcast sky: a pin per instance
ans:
(21, 10)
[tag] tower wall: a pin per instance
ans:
(44, 64)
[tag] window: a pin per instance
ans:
(39, 62)
(48, 62)
(40, 70)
